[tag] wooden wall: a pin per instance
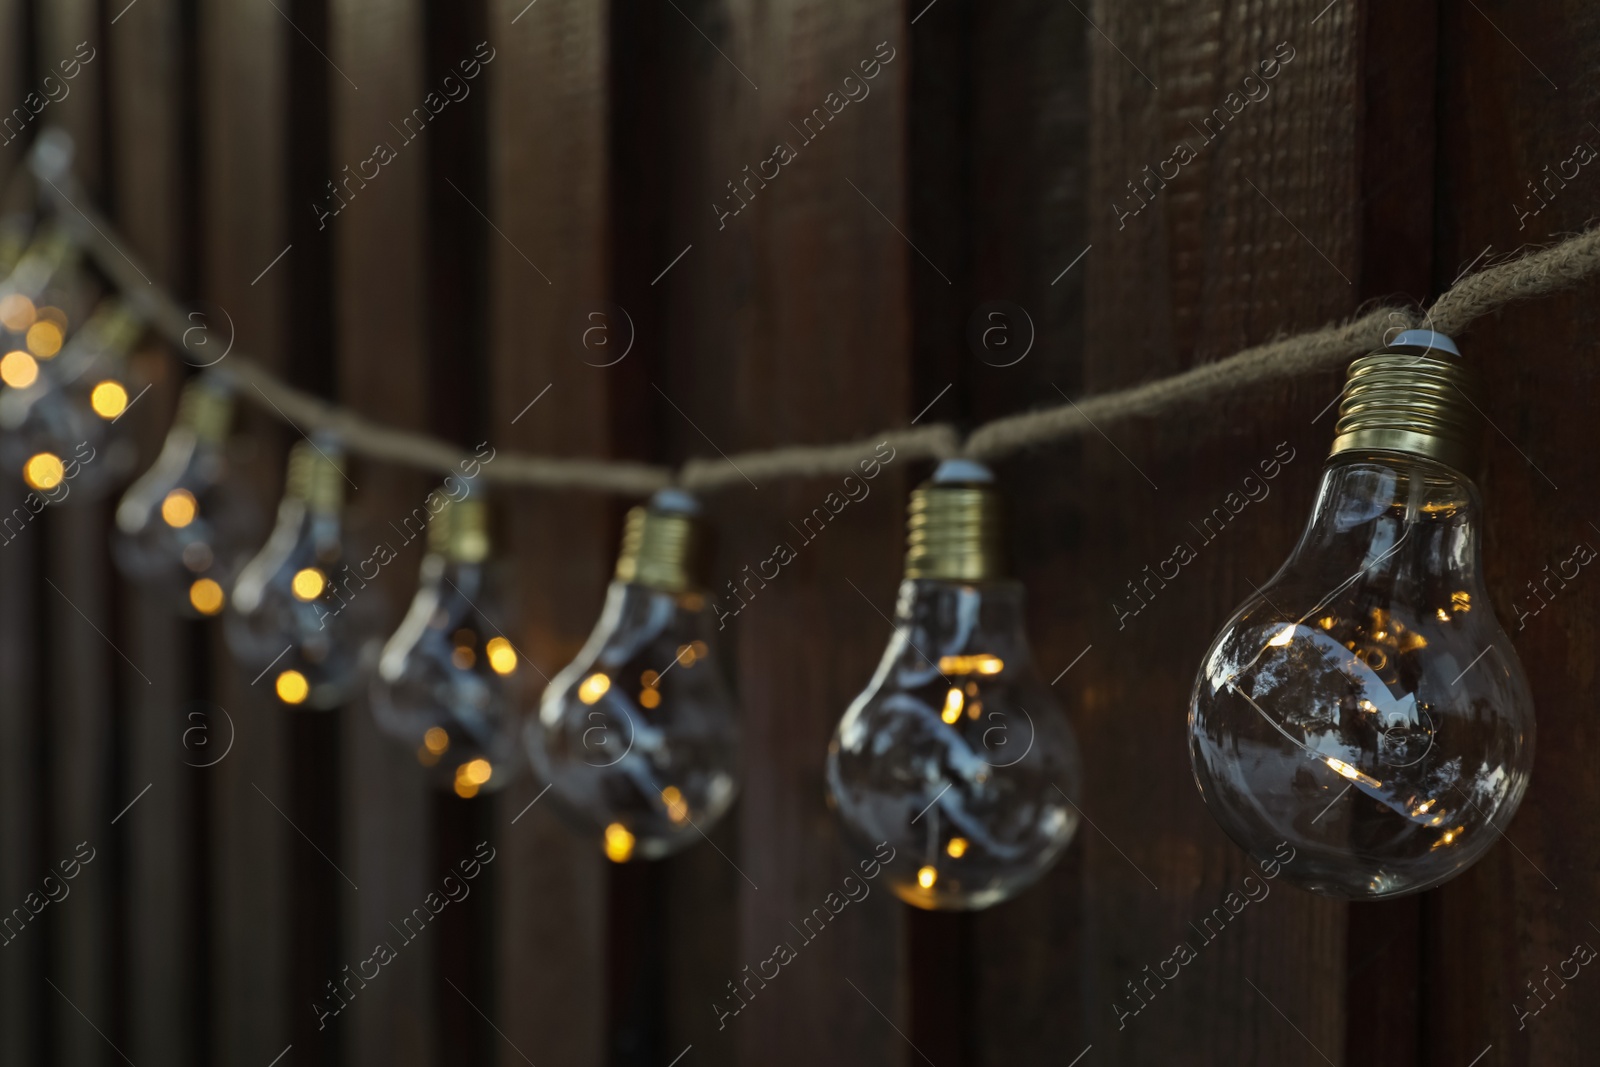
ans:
(999, 160)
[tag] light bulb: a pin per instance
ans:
(1363, 720)
(299, 614)
(637, 737)
(449, 682)
(183, 527)
(71, 407)
(956, 755)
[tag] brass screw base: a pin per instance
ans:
(953, 532)
(206, 410)
(460, 532)
(658, 549)
(1413, 402)
(317, 477)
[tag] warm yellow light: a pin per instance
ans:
(677, 807)
(649, 678)
(206, 596)
(16, 312)
(593, 688)
(436, 740)
(109, 399)
(179, 508)
(502, 657)
(463, 657)
(308, 583)
(700, 649)
(983, 663)
(476, 771)
(650, 698)
(1284, 636)
(43, 470)
(18, 369)
(619, 843)
(1461, 601)
(926, 877)
(1341, 767)
(952, 706)
(1443, 615)
(44, 339)
(426, 758)
(464, 789)
(292, 687)
(687, 655)
(957, 847)
(1326, 622)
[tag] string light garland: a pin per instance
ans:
(1535, 273)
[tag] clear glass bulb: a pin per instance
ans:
(956, 754)
(61, 418)
(299, 613)
(449, 682)
(183, 527)
(637, 736)
(1364, 713)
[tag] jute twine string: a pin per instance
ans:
(1534, 273)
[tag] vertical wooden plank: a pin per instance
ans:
(381, 326)
(145, 64)
(83, 665)
(1006, 202)
(1258, 232)
(21, 808)
(547, 182)
(1501, 971)
(789, 321)
(242, 51)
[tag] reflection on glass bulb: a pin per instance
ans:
(310, 646)
(637, 737)
(956, 754)
(449, 683)
(1365, 707)
(192, 561)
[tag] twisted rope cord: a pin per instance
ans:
(1535, 273)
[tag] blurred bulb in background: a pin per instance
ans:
(956, 754)
(638, 737)
(72, 410)
(299, 613)
(449, 682)
(183, 527)
(1365, 709)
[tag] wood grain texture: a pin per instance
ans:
(149, 179)
(84, 665)
(244, 127)
(379, 278)
(790, 322)
(22, 994)
(1257, 233)
(547, 198)
(1535, 896)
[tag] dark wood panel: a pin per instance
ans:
(378, 235)
(150, 178)
(789, 321)
(84, 666)
(22, 862)
(547, 199)
(244, 127)
(1520, 79)
(1259, 232)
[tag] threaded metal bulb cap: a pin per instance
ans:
(1416, 396)
(316, 476)
(206, 409)
(660, 543)
(460, 532)
(953, 528)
